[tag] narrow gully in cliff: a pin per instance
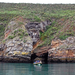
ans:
(34, 29)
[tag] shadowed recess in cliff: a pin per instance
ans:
(33, 56)
(46, 57)
(43, 57)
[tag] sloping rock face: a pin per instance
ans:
(34, 29)
(17, 45)
(62, 51)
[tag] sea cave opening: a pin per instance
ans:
(43, 57)
(33, 56)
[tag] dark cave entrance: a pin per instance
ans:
(33, 56)
(43, 57)
(46, 57)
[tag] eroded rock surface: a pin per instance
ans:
(20, 39)
(17, 50)
(34, 29)
(17, 43)
(62, 51)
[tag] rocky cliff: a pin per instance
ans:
(21, 38)
(17, 44)
(62, 51)
(58, 51)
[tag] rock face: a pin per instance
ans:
(21, 38)
(2, 46)
(17, 50)
(35, 28)
(62, 51)
(18, 44)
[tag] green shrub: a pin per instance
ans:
(15, 32)
(11, 37)
(3, 41)
(20, 34)
(47, 27)
(26, 34)
(20, 23)
(23, 32)
(53, 23)
(2, 30)
(20, 30)
(36, 18)
(63, 37)
(54, 28)
(24, 41)
(20, 37)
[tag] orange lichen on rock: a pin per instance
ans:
(56, 43)
(35, 45)
(70, 53)
(62, 50)
(7, 33)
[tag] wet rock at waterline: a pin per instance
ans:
(17, 50)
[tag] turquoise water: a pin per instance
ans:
(30, 69)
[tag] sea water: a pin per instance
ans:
(30, 69)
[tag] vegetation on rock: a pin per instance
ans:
(14, 18)
(61, 15)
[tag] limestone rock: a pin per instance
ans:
(18, 43)
(18, 48)
(34, 29)
(2, 47)
(62, 51)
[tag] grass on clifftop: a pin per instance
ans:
(38, 12)
(41, 12)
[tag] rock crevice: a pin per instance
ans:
(20, 39)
